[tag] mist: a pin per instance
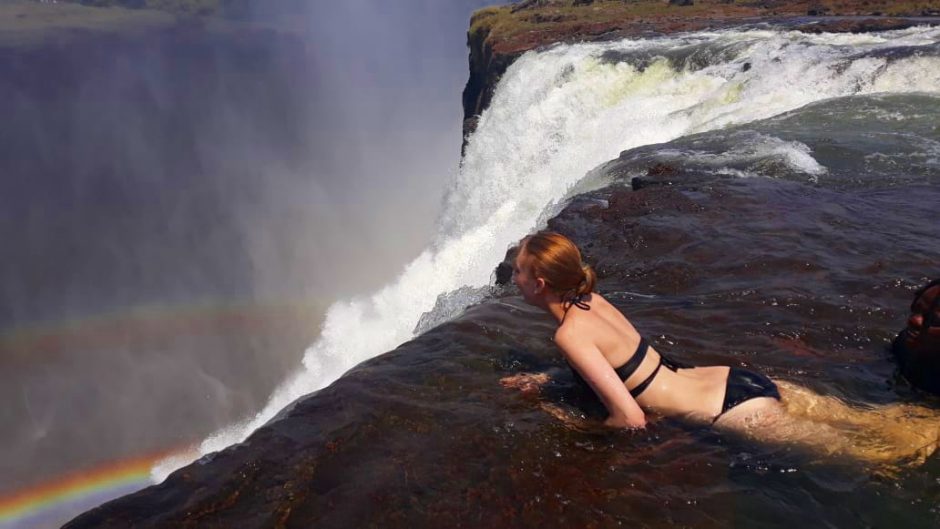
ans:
(181, 201)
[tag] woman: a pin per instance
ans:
(630, 377)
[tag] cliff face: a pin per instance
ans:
(499, 35)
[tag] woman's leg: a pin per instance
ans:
(889, 436)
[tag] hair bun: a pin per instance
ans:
(588, 281)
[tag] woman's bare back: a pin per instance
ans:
(695, 393)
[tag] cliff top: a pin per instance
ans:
(532, 23)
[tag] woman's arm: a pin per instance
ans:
(590, 363)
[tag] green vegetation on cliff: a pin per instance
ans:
(531, 23)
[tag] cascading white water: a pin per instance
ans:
(557, 114)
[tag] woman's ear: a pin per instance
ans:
(539, 285)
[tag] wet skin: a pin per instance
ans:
(594, 341)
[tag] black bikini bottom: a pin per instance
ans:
(746, 385)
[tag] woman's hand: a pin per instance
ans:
(527, 383)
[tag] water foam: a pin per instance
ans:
(557, 114)
(751, 154)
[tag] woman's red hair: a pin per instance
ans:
(557, 260)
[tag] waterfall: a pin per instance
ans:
(560, 112)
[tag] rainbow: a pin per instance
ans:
(53, 503)
(151, 323)
(50, 504)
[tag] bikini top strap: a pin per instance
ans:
(641, 387)
(576, 301)
(634, 362)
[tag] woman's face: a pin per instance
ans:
(923, 326)
(522, 276)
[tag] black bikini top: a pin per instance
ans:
(634, 362)
(630, 367)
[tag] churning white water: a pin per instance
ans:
(557, 114)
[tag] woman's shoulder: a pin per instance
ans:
(597, 298)
(600, 305)
(573, 328)
(610, 319)
(580, 322)
(566, 331)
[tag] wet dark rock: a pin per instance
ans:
(661, 169)
(638, 183)
(663, 177)
(863, 25)
(817, 10)
(425, 435)
(503, 273)
(624, 204)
